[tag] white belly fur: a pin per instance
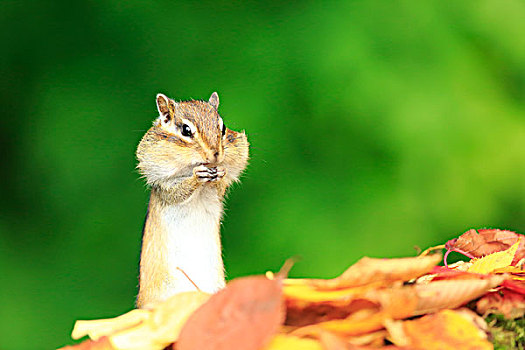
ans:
(193, 244)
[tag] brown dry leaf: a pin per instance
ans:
(505, 301)
(370, 270)
(321, 312)
(487, 241)
(144, 329)
(446, 330)
(244, 315)
(451, 293)
(494, 261)
(101, 344)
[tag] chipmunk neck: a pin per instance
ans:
(181, 236)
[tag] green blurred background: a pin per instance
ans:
(375, 127)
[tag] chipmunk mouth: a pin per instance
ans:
(215, 163)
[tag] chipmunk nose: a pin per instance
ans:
(219, 156)
(214, 156)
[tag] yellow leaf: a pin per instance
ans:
(510, 269)
(290, 342)
(145, 329)
(96, 329)
(301, 290)
(445, 330)
(494, 261)
(163, 326)
(359, 323)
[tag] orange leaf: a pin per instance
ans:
(389, 304)
(306, 304)
(369, 270)
(244, 315)
(451, 294)
(358, 323)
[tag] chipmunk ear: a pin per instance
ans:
(166, 108)
(214, 100)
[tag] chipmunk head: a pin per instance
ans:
(196, 125)
(187, 134)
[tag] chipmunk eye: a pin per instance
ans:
(186, 131)
(223, 127)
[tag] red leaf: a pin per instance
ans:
(244, 315)
(487, 241)
(516, 286)
(504, 301)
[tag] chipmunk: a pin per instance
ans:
(188, 158)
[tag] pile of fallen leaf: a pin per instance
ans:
(407, 303)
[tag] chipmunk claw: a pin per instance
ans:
(221, 171)
(206, 174)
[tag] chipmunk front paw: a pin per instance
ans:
(205, 174)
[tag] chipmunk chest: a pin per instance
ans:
(192, 239)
